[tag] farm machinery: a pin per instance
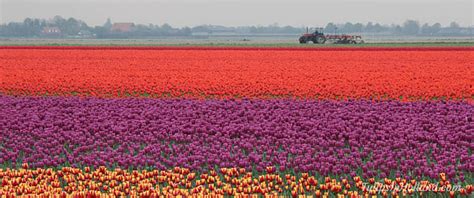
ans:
(319, 37)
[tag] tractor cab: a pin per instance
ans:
(318, 33)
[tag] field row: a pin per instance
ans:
(251, 73)
(103, 182)
(297, 47)
(369, 139)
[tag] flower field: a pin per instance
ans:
(149, 122)
(410, 74)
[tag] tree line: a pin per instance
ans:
(71, 27)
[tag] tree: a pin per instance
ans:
(358, 27)
(411, 27)
(369, 27)
(167, 30)
(253, 29)
(454, 28)
(201, 28)
(166, 27)
(436, 28)
(58, 21)
(348, 28)
(396, 29)
(15, 29)
(186, 31)
(426, 29)
(101, 31)
(454, 25)
(71, 27)
(290, 29)
(330, 27)
(108, 24)
(32, 27)
(378, 28)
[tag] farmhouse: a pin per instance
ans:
(122, 27)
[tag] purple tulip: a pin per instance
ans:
(379, 138)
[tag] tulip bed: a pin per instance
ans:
(406, 74)
(89, 122)
(76, 182)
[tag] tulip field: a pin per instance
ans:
(208, 73)
(236, 121)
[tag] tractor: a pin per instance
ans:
(318, 37)
(315, 37)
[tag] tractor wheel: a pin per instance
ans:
(320, 40)
(303, 40)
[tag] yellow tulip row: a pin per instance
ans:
(75, 182)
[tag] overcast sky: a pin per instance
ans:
(243, 12)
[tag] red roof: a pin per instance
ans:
(122, 27)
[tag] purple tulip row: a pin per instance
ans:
(365, 138)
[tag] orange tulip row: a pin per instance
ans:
(193, 73)
(75, 182)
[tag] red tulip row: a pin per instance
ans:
(339, 48)
(395, 73)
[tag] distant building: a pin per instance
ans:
(122, 27)
(52, 31)
(85, 34)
